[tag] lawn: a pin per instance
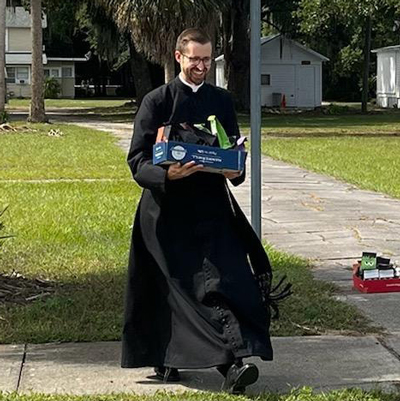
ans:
(75, 233)
(304, 394)
(319, 124)
(78, 153)
(23, 104)
(371, 163)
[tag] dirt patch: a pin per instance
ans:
(8, 128)
(17, 289)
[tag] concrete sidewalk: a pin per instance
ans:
(331, 223)
(323, 362)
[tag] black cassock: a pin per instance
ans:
(192, 300)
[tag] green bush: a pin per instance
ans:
(335, 109)
(52, 88)
(4, 117)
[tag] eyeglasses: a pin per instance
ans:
(197, 60)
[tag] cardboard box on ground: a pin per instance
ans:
(376, 274)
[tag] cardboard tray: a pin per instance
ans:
(376, 285)
(214, 159)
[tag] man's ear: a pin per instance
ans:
(178, 56)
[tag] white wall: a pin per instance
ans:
(220, 75)
(287, 72)
(387, 78)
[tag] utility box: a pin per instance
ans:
(276, 99)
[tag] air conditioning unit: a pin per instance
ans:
(20, 81)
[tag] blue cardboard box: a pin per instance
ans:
(214, 160)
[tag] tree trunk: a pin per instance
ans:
(169, 68)
(2, 56)
(140, 72)
(237, 54)
(37, 113)
(367, 51)
(211, 76)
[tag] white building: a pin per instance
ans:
(388, 76)
(19, 57)
(289, 70)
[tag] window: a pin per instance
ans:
(265, 79)
(10, 74)
(305, 62)
(23, 73)
(67, 72)
(17, 75)
(46, 72)
(55, 72)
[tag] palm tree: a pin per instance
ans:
(155, 24)
(236, 48)
(37, 111)
(3, 4)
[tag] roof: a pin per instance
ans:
(267, 39)
(67, 59)
(270, 38)
(387, 48)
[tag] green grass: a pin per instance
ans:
(304, 394)
(369, 163)
(317, 124)
(23, 104)
(77, 235)
(311, 309)
(79, 153)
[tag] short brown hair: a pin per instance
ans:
(191, 35)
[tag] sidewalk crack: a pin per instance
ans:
(21, 368)
(391, 350)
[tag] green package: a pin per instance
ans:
(368, 261)
(218, 130)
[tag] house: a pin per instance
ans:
(388, 76)
(19, 57)
(289, 72)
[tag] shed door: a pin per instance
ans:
(305, 86)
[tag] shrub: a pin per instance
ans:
(4, 117)
(52, 88)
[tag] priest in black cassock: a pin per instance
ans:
(192, 298)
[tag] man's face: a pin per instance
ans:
(195, 62)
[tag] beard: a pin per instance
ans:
(195, 76)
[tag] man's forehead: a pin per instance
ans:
(198, 48)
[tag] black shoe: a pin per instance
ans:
(167, 375)
(238, 377)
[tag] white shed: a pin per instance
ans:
(289, 70)
(388, 76)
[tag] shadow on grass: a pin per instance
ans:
(86, 309)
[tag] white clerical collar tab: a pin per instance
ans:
(195, 88)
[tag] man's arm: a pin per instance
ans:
(231, 127)
(140, 156)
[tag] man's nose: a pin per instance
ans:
(201, 65)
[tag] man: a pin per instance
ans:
(192, 299)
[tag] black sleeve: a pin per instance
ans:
(140, 157)
(231, 127)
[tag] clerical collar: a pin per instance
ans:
(195, 88)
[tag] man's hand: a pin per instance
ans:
(232, 174)
(177, 171)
